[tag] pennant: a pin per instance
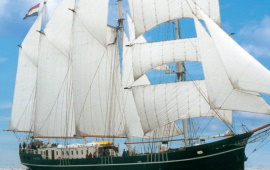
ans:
(32, 12)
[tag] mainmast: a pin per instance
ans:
(120, 22)
(180, 76)
(120, 30)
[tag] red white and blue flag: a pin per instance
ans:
(32, 12)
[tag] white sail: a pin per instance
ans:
(94, 16)
(96, 84)
(166, 131)
(221, 93)
(245, 72)
(147, 14)
(141, 39)
(54, 113)
(147, 56)
(161, 104)
(133, 122)
(131, 30)
(164, 67)
(59, 28)
(25, 89)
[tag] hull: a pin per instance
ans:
(227, 154)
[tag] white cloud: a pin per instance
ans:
(3, 59)
(5, 105)
(3, 8)
(256, 37)
(258, 117)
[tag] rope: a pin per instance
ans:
(258, 147)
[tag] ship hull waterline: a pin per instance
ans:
(226, 154)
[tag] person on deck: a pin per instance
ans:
(24, 145)
(90, 155)
(95, 154)
(124, 153)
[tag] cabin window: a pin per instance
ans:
(82, 152)
(62, 152)
(77, 152)
(71, 152)
(67, 152)
(87, 152)
(56, 152)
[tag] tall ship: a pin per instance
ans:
(108, 85)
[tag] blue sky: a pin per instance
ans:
(249, 19)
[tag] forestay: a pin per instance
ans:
(25, 89)
(147, 14)
(161, 104)
(222, 94)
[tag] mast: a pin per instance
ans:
(120, 29)
(120, 22)
(180, 76)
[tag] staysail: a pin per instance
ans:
(245, 72)
(23, 109)
(222, 93)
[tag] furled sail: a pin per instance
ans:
(147, 14)
(147, 56)
(245, 72)
(221, 93)
(96, 81)
(161, 104)
(25, 90)
(54, 113)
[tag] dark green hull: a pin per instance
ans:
(227, 154)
